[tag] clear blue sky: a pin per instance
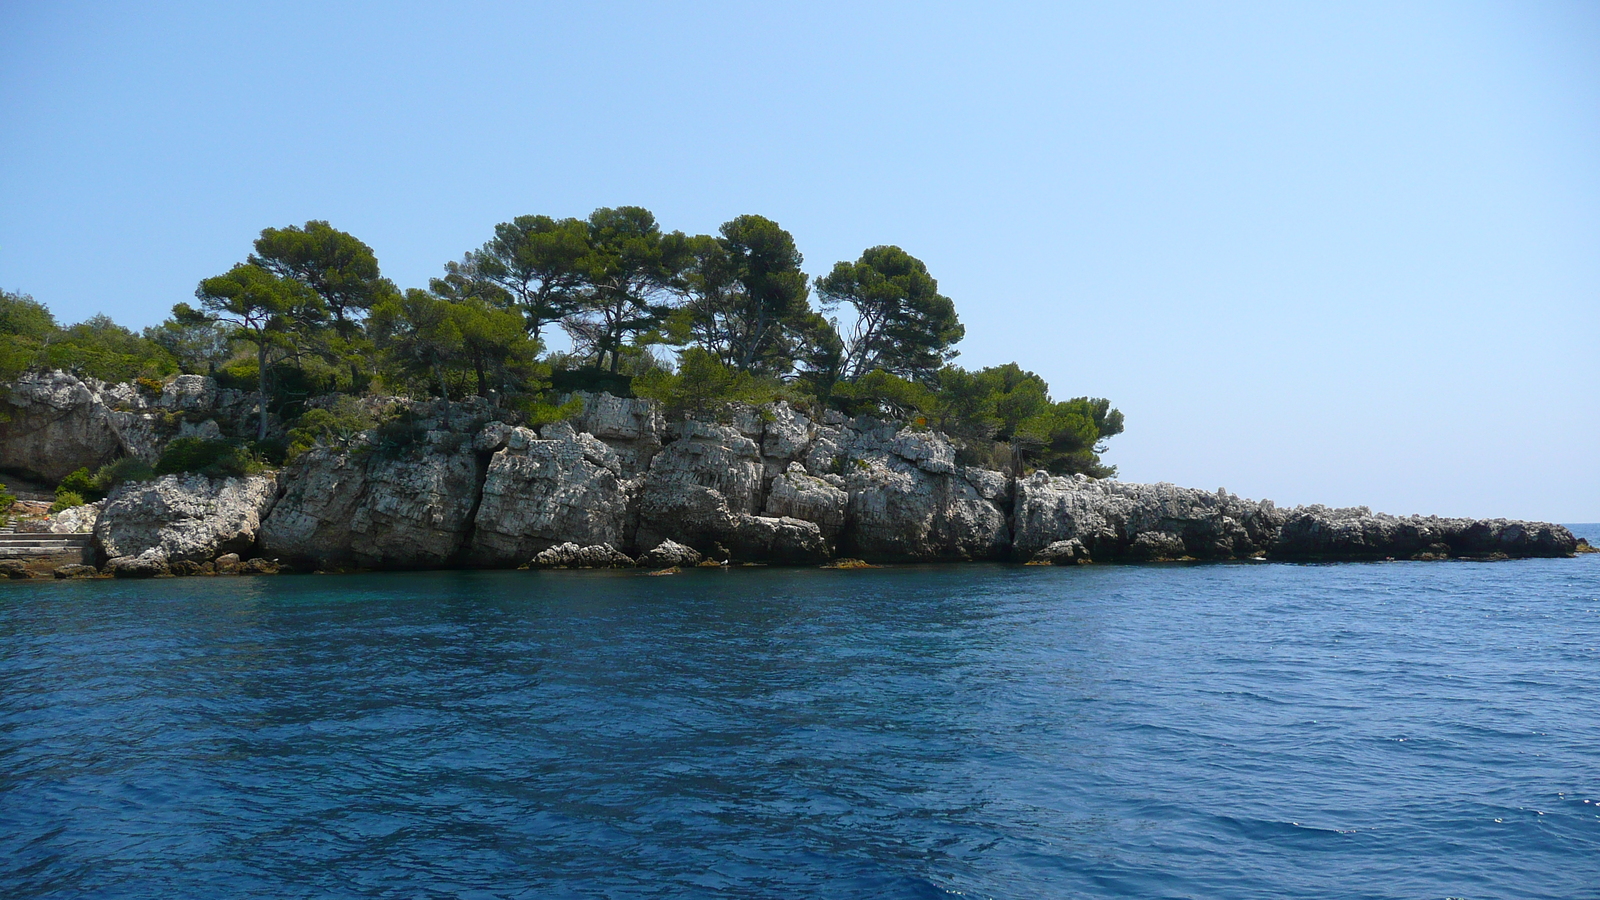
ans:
(1346, 253)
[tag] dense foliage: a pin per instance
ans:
(309, 324)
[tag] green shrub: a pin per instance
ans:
(704, 387)
(880, 393)
(81, 483)
(338, 425)
(127, 469)
(540, 413)
(66, 500)
(217, 459)
(7, 499)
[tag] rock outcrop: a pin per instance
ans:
(1320, 533)
(1116, 520)
(380, 508)
(572, 556)
(907, 499)
(632, 428)
(540, 492)
(72, 520)
(188, 518)
(56, 423)
(667, 554)
(1112, 520)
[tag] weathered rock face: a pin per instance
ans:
(699, 487)
(633, 429)
(1116, 520)
(1317, 532)
(771, 485)
(184, 517)
(538, 493)
(907, 500)
(377, 509)
(57, 423)
(782, 539)
(800, 496)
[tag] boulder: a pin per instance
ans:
(1062, 553)
(227, 564)
(572, 556)
(670, 553)
(148, 565)
(184, 517)
(777, 539)
(1158, 545)
(538, 493)
(76, 519)
(14, 568)
(405, 508)
(76, 571)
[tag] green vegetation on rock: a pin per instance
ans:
(308, 326)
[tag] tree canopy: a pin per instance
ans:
(336, 266)
(747, 303)
(903, 324)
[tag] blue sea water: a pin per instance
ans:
(1406, 730)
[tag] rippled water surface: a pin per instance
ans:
(1228, 731)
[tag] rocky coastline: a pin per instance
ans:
(622, 485)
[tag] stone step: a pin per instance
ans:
(83, 553)
(66, 540)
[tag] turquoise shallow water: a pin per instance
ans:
(1228, 730)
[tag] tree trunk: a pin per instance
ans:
(444, 393)
(261, 385)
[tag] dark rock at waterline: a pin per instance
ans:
(1320, 533)
(572, 556)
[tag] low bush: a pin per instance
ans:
(127, 469)
(341, 424)
(704, 387)
(66, 500)
(7, 500)
(81, 483)
(217, 459)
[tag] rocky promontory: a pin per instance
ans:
(465, 485)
